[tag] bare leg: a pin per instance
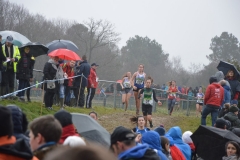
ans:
(197, 109)
(127, 100)
(137, 103)
(145, 118)
(149, 118)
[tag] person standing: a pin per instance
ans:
(11, 52)
(24, 71)
(137, 81)
(126, 89)
(81, 82)
(213, 99)
(92, 85)
(2, 59)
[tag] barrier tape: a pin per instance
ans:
(10, 94)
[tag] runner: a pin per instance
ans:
(199, 104)
(148, 95)
(172, 90)
(126, 89)
(137, 81)
(140, 128)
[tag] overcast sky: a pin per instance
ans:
(183, 27)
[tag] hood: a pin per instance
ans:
(19, 149)
(186, 137)
(68, 131)
(153, 140)
(231, 117)
(217, 85)
(220, 76)
(175, 133)
(226, 87)
(135, 152)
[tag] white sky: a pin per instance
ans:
(183, 27)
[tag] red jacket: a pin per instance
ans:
(92, 79)
(214, 95)
(70, 72)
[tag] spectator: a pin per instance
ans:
(186, 137)
(20, 122)
(92, 85)
(213, 99)
(31, 80)
(227, 98)
(93, 115)
(74, 141)
(166, 147)
(24, 71)
(2, 59)
(68, 129)
(45, 133)
(176, 134)
(81, 82)
(81, 153)
(10, 149)
(49, 73)
(221, 123)
(160, 130)
(232, 116)
(152, 139)
(233, 151)
(124, 146)
(12, 54)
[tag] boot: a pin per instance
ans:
(61, 101)
(3, 90)
(72, 102)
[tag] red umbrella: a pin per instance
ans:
(64, 54)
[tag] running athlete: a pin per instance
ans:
(172, 90)
(148, 95)
(199, 104)
(140, 128)
(126, 89)
(137, 81)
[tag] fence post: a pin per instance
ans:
(187, 107)
(104, 101)
(115, 92)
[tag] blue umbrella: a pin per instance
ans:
(18, 39)
(62, 44)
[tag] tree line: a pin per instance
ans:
(98, 39)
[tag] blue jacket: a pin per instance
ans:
(153, 140)
(176, 134)
(227, 94)
(84, 69)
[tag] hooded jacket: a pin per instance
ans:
(220, 76)
(68, 131)
(139, 152)
(176, 134)
(92, 79)
(227, 94)
(84, 69)
(10, 149)
(153, 140)
(214, 95)
(233, 118)
(69, 71)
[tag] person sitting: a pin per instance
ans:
(221, 123)
(10, 148)
(68, 129)
(187, 139)
(124, 146)
(232, 116)
(166, 147)
(93, 115)
(45, 133)
(233, 151)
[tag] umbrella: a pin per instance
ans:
(65, 54)
(65, 44)
(210, 142)
(90, 129)
(18, 39)
(225, 67)
(36, 48)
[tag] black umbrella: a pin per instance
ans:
(210, 142)
(64, 44)
(36, 48)
(225, 67)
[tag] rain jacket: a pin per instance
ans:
(175, 152)
(176, 134)
(67, 131)
(84, 69)
(227, 94)
(92, 79)
(10, 149)
(233, 118)
(214, 95)
(139, 152)
(152, 138)
(69, 71)
(220, 76)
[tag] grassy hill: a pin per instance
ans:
(111, 118)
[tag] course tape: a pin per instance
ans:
(13, 93)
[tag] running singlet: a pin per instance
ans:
(126, 83)
(139, 80)
(172, 94)
(200, 97)
(147, 96)
(141, 131)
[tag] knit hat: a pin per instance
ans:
(6, 125)
(74, 141)
(220, 123)
(186, 137)
(233, 109)
(212, 79)
(234, 101)
(64, 117)
(160, 130)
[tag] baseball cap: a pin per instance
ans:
(121, 134)
(9, 39)
(94, 64)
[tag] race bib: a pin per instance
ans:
(139, 81)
